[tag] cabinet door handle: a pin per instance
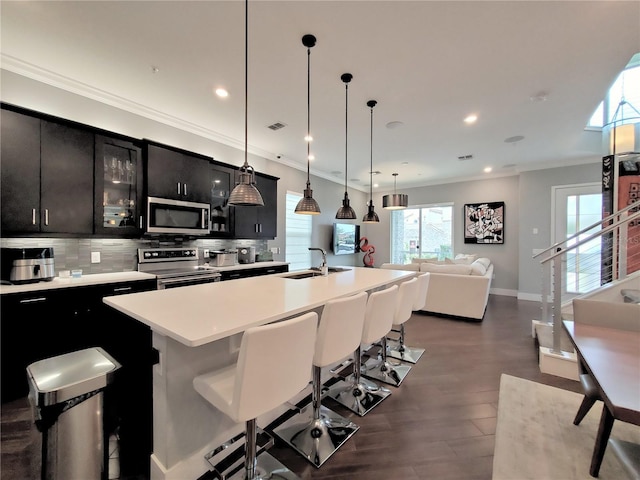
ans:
(234, 275)
(46, 216)
(178, 188)
(184, 188)
(121, 289)
(34, 300)
(141, 222)
(33, 216)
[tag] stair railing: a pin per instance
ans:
(616, 253)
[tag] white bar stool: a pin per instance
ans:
(273, 366)
(317, 432)
(398, 311)
(402, 351)
(361, 395)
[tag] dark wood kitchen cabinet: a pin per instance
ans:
(20, 172)
(259, 222)
(46, 323)
(119, 202)
(177, 174)
(47, 176)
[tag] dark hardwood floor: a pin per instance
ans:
(439, 424)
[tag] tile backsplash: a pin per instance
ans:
(116, 254)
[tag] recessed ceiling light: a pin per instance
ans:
(222, 93)
(394, 124)
(539, 97)
(376, 172)
(312, 157)
(487, 169)
(154, 69)
(375, 185)
(514, 139)
(308, 138)
(405, 163)
(471, 118)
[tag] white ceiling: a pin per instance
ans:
(427, 63)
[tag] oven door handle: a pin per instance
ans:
(173, 281)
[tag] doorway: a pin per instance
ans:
(575, 208)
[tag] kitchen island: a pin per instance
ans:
(198, 328)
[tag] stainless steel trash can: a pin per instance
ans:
(66, 393)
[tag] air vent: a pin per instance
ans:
(276, 126)
(465, 157)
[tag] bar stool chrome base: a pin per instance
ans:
(406, 354)
(316, 440)
(400, 351)
(360, 397)
(267, 468)
(228, 460)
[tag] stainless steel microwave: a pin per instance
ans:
(169, 216)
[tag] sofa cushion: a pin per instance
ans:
(415, 267)
(484, 261)
(452, 269)
(425, 260)
(478, 268)
(465, 259)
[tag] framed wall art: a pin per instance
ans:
(484, 223)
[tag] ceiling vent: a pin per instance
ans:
(276, 126)
(465, 157)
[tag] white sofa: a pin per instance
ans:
(459, 289)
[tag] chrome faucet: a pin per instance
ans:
(323, 266)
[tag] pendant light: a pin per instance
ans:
(246, 193)
(345, 212)
(371, 216)
(307, 205)
(397, 201)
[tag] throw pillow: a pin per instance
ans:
(465, 259)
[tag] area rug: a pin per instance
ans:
(536, 438)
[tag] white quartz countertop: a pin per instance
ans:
(198, 314)
(85, 280)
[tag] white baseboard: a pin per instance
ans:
(563, 364)
(503, 291)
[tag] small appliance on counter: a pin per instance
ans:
(223, 258)
(27, 265)
(246, 254)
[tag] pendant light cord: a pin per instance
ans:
(346, 134)
(371, 161)
(246, 81)
(308, 114)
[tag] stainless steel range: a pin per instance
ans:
(175, 267)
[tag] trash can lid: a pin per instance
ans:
(57, 379)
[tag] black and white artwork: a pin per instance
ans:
(484, 223)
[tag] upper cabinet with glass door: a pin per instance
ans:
(118, 187)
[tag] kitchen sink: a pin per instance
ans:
(298, 276)
(315, 273)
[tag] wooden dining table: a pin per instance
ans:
(612, 357)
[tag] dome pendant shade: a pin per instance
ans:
(245, 193)
(345, 212)
(371, 216)
(307, 205)
(396, 201)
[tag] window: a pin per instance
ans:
(298, 235)
(627, 84)
(422, 232)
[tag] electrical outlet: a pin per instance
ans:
(205, 253)
(275, 250)
(95, 257)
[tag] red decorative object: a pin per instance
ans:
(369, 251)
